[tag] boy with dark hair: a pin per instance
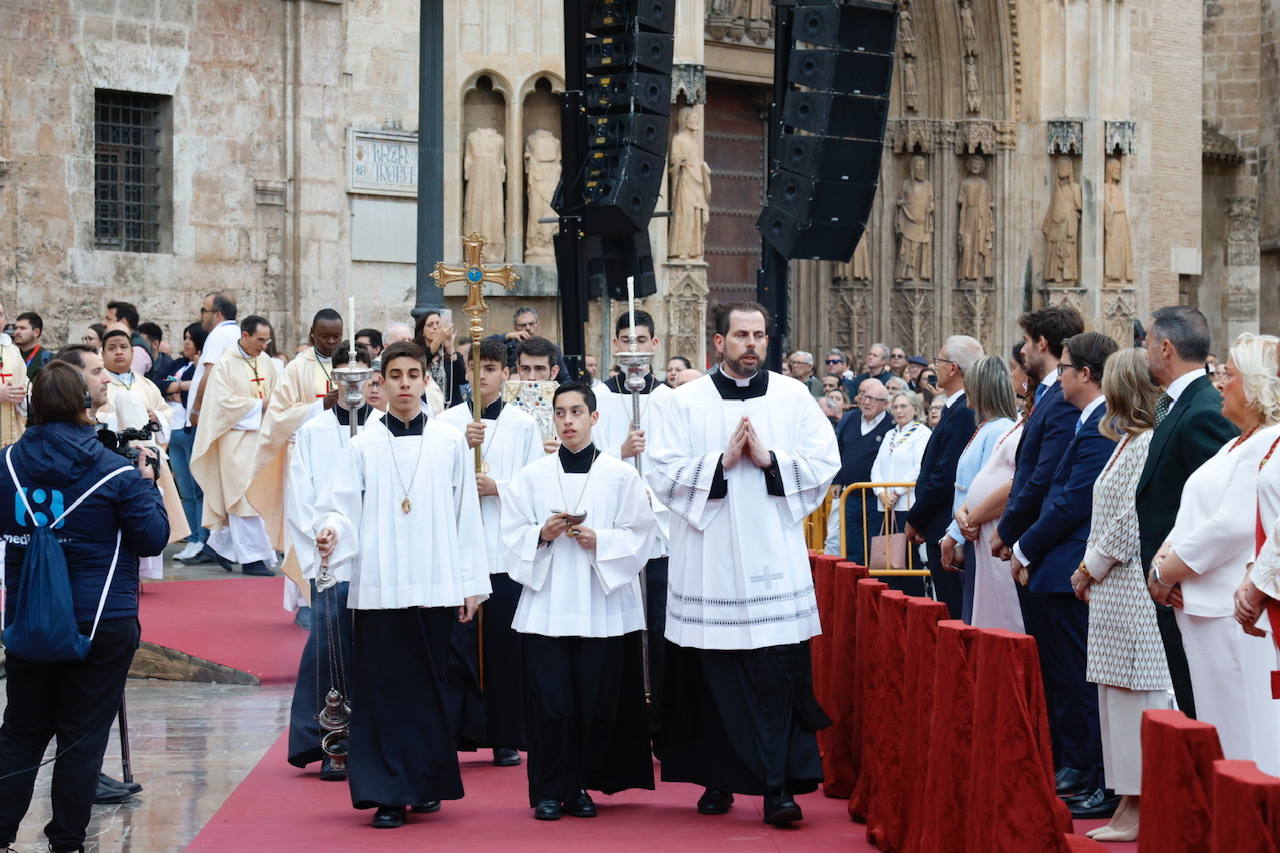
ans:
(577, 529)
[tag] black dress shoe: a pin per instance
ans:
(207, 557)
(110, 795)
(582, 806)
(304, 618)
(781, 809)
(505, 756)
(388, 817)
(1069, 781)
(714, 801)
(547, 810)
(131, 787)
(1100, 804)
(257, 569)
(429, 807)
(329, 772)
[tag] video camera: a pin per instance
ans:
(118, 441)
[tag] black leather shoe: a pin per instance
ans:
(207, 557)
(108, 794)
(304, 618)
(714, 801)
(388, 817)
(781, 809)
(505, 756)
(1070, 781)
(547, 810)
(1100, 804)
(429, 807)
(582, 806)
(330, 772)
(131, 787)
(257, 569)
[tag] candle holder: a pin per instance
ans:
(351, 378)
(635, 364)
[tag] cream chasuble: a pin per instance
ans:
(13, 416)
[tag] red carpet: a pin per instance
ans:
(279, 808)
(237, 622)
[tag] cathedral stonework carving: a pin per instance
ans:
(849, 319)
(690, 188)
(1117, 256)
(542, 174)
(977, 223)
(914, 225)
(860, 263)
(1061, 227)
(685, 303)
(484, 169)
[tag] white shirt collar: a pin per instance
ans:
(1088, 410)
(952, 399)
(1051, 378)
(1177, 386)
(868, 425)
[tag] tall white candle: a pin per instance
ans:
(351, 318)
(631, 311)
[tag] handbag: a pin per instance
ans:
(44, 628)
(888, 550)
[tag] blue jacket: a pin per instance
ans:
(1044, 439)
(56, 463)
(1054, 545)
(858, 451)
(936, 486)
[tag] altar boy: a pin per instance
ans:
(578, 528)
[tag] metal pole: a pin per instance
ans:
(126, 761)
(430, 154)
(772, 277)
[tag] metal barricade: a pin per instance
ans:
(908, 571)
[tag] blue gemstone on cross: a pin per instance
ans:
(475, 275)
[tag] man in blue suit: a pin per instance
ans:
(1044, 557)
(935, 487)
(859, 435)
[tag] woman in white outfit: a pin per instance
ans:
(898, 461)
(1126, 655)
(1204, 560)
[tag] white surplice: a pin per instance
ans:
(739, 573)
(511, 441)
(570, 591)
(612, 430)
(432, 556)
(319, 446)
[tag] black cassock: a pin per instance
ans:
(315, 671)
(585, 715)
(402, 751)
(494, 716)
(740, 720)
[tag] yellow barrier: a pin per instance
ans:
(866, 541)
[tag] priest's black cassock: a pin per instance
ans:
(739, 713)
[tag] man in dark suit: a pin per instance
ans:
(935, 487)
(859, 435)
(1190, 428)
(1048, 552)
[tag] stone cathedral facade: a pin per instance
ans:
(1114, 154)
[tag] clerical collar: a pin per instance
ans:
(618, 384)
(580, 462)
(344, 415)
(121, 377)
(491, 411)
(399, 428)
(740, 389)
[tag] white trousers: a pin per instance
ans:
(1120, 713)
(1231, 681)
(243, 540)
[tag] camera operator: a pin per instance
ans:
(56, 461)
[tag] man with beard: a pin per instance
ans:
(741, 456)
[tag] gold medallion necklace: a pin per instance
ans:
(406, 505)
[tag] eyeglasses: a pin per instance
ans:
(1063, 365)
(898, 356)
(947, 361)
(875, 399)
(835, 361)
(204, 310)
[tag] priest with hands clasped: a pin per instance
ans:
(741, 456)
(403, 508)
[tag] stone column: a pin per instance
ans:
(1243, 267)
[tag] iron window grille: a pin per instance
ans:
(128, 177)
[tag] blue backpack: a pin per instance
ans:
(44, 629)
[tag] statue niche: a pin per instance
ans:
(690, 189)
(977, 223)
(1117, 258)
(542, 174)
(485, 170)
(914, 225)
(1062, 227)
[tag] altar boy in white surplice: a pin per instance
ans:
(404, 506)
(578, 530)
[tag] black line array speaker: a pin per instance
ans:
(824, 176)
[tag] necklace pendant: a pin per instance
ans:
(406, 505)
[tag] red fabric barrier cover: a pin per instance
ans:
(867, 674)
(1012, 806)
(885, 805)
(921, 645)
(824, 567)
(947, 783)
(1177, 771)
(836, 741)
(1246, 809)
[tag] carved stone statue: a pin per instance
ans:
(972, 94)
(977, 223)
(1062, 227)
(968, 32)
(542, 173)
(484, 168)
(690, 188)
(914, 225)
(910, 88)
(906, 31)
(860, 265)
(1117, 258)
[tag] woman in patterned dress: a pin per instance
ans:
(1126, 655)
